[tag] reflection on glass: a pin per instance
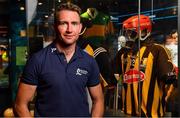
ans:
(4, 68)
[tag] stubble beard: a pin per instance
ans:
(62, 43)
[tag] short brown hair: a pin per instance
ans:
(67, 6)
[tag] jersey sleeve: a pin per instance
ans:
(94, 77)
(164, 63)
(30, 72)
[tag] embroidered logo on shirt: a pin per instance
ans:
(81, 72)
(53, 49)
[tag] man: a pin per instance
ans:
(172, 93)
(60, 74)
(145, 71)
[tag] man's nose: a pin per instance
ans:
(69, 28)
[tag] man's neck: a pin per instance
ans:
(67, 50)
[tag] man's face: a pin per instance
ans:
(169, 40)
(175, 36)
(69, 26)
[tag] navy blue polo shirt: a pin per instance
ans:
(61, 86)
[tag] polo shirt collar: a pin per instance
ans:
(78, 51)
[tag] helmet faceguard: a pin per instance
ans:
(130, 27)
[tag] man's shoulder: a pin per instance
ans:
(41, 54)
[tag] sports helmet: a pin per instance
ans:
(131, 27)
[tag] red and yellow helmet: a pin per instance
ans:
(130, 26)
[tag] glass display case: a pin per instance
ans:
(105, 30)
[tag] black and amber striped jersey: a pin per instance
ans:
(143, 80)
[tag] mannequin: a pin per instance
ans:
(98, 26)
(145, 69)
(100, 29)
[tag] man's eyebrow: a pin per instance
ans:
(67, 21)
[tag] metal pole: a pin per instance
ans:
(139, 46)
(178, 19)
(152, 7)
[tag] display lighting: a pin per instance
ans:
(40, 3)
(22, 8)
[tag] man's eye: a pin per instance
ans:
(75, 23)
(62, 23)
